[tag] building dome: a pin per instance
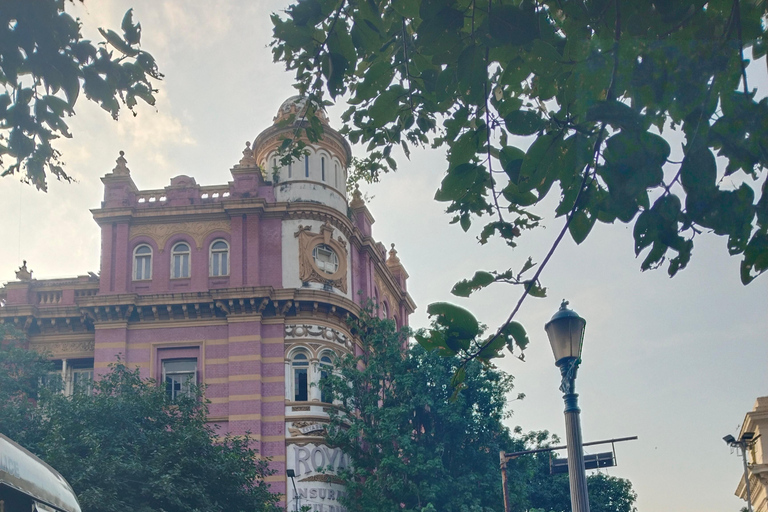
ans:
(294, 109)
(319, 175)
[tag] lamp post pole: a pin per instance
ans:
(746, 475)
(745, 441)
(292, 475)
(577, 474)
(566, 335)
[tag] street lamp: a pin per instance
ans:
(566, 335)
(746, 439)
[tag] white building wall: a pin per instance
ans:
(317, 177)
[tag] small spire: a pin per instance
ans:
(248, 160)
(357, 198)
(23, 274)
(121, 168)
(393, 259)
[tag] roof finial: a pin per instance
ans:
(23, 274)
(248, 160)
(357, 198)
(393, 259)
(121, 168)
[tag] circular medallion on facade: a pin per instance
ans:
(326, 259)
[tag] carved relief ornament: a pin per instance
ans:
(64, 348)
(306, 428)
(160, 233)
(309, 271)
(317, 332)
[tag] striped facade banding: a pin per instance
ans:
(244, 287)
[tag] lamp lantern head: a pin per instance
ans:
(565, 331)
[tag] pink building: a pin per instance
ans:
(243, 287)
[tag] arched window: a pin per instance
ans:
(290, 168)
(336, 175)
(142, 263)
(306, 166)
(322, 168)
(219, 259)
(326, 367)
(300, 384)
(180, 260)
(385, 310)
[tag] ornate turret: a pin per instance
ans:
(320, 175)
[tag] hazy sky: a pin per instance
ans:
(677, 362)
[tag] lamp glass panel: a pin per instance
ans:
(565, 336)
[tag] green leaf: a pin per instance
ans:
(543, 59)
(458, 180)
(699, 170)
(524, 122)
(406, 8)
(384, 109)
(479, 281)
(459, 322)
(334, 72)
(509, 25)
(377, 78)
(615, 113)
(120, 45)
(491, 348)
(515, 334)
(131, 32)
(439, 32)
(580, 226)
(517, 198)
(511, 159)
(534, 289)
(306, 12)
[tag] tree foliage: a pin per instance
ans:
(126, 447)
(417, 445)
(44, 65)
(580, 100)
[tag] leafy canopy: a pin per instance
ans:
(44, 65)
(125, 446)
(416, 445)
(532, 98)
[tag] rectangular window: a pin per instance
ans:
(300, 380)
(325, 396)
(181, 265)
(52, 381)
(82, 380)
(143, 268)
(219, 264)
(179, 375)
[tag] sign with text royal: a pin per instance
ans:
(317, 485)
